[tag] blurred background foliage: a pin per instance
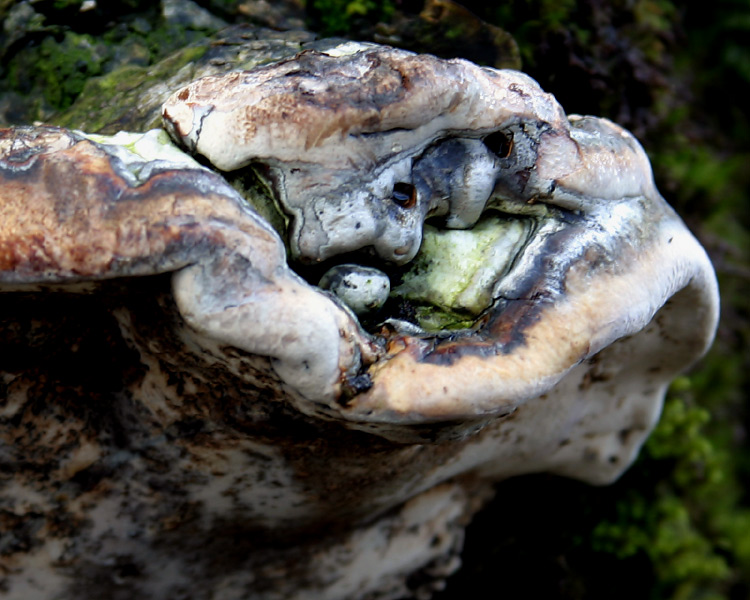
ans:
(677, 524)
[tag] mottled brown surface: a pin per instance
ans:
(68, 214)
(121, 431)
(103, 403)
(317, 99)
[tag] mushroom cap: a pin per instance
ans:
(90, 208)
(320, 106)
(241, 397)
(588, 312)
(358, 112)
(339, 130)
(252, 395)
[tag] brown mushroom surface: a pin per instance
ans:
(248, 435)
(343, 135)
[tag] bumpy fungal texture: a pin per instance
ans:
(340, 129)
(81, 209)
(227, 448)
(363, 143)
(363, 289)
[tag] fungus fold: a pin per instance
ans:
(360, 287)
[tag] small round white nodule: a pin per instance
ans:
(363, 289)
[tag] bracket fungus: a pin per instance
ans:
(477, 286)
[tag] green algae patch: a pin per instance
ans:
(143, 148)
(452, 278)
(130, 98)
(58, 68)
(259, 194)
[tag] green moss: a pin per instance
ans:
(91, 113)
(688, 523)
(59, 68)
(128, 98)
(337, 17)
(54, 52)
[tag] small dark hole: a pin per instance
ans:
(499, 143)
(404, 194)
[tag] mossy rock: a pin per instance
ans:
(130, 98)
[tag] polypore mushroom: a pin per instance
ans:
(251, 420)
(361, 144)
